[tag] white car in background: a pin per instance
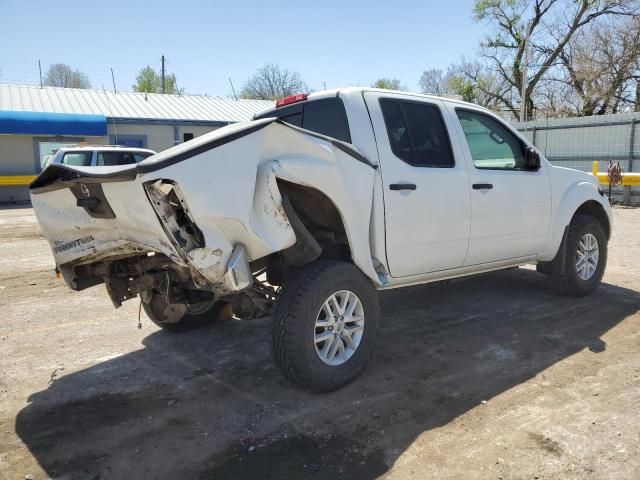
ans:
(98, 156)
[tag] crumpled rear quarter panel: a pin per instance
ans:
(228, 179)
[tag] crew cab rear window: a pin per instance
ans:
(327, 117)
(417, 133)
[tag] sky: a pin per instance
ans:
(332, 43)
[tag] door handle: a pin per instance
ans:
(482, 186)
(402, 186)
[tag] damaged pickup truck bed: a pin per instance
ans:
(308, 210)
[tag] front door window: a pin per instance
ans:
(492, 146)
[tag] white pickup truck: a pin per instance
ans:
(310, 208)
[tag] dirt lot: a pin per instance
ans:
(488, 377)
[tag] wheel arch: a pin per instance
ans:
(325, 224)
(318, 224)
(596, 210)
(582, 199)
(319, 214)
(344, 186)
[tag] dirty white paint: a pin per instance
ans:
(208, 262)
(232, 196)
(234, 199)
(75, 236)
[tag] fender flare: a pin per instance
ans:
(575, 197)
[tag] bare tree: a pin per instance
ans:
(487, 88)
(272, 82)
(451, 82)
(388, 84)
(601, 65)
(61, 75)
(551, 25)
(435, 81)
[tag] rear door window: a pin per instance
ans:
(417, 133)
(77, 159)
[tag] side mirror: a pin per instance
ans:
(531, 159)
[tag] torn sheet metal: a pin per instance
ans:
(228, 179)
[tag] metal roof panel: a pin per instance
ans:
(132, 105)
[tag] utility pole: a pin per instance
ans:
(40, 68)
(525, 64)
(113, 79)
(163, 90)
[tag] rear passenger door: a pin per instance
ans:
(426, 189)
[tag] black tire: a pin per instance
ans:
(188, 321)
(546, 268)
(294, 324)
(564, 272)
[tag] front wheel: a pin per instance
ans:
(579, 269)
(324, 325)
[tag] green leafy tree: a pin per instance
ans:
(389, 84)
(150, 81)
(464, 88)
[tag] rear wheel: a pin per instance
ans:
(179, 317)
(579, 269)
(324, 325)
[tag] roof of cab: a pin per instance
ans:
(360, 90)
(106, 148)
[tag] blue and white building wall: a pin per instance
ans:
(22, 154)
(34, 122)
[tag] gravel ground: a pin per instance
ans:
(487, 377)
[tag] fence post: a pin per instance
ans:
(632, 138)
(533, 136)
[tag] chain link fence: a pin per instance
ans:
(577, 142)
